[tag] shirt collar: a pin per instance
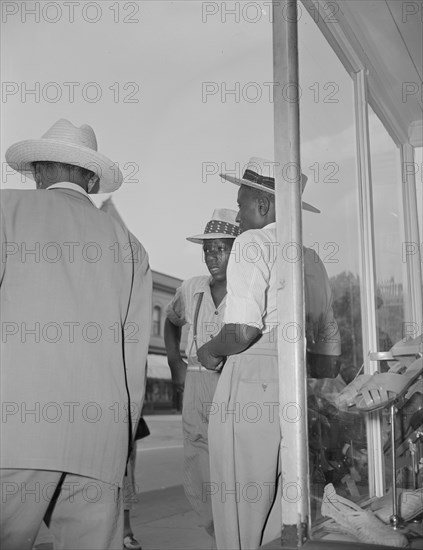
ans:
(204, 285)
(71, 186)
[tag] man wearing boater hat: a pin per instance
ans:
(76, 312)
(199, 303)
(244, 431)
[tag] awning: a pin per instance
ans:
(157, 367)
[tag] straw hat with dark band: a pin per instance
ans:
(68, 144)
(223, 225)
(260, 174)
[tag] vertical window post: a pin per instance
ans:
(411, 247)
(291, 343)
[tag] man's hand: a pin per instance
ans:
(232, 339)
(179, 371)
(207, 359)
(178, 367)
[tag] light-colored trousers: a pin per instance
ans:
(244, 440)
(197, 405)
(85, 513)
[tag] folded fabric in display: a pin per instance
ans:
(361, 524)
(410, 505)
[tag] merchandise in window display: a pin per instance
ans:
(402, 430)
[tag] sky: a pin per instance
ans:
(178, 92)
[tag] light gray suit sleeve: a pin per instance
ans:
(3, 246)
(137, 330)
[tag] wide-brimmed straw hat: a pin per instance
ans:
(68, 144)
(223, 225)
(260, 174)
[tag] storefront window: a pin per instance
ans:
(388, 222)
(393, 315)
(343, 457)
(337, 437)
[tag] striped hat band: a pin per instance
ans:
(265, 181)
(216, 226)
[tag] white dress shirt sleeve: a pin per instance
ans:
(176, 309)
(247, 280)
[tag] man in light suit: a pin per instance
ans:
(76, 313)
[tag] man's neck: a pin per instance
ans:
(218, 291)
(270, 219)
(266, 221)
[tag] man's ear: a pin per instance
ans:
(263, 205)
(93, 184)
(36, 173)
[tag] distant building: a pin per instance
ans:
(159, 396)
(391, 314)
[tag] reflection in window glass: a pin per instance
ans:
(392, 315)
(337, 437)
(388, 233)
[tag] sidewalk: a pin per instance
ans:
(164, 520)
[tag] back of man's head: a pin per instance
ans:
(47, 173)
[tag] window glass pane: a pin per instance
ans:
(388, 233)
(337, 439)
(393, 315)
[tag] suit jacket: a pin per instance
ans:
(76, 292)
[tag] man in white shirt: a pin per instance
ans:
(244, 430)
